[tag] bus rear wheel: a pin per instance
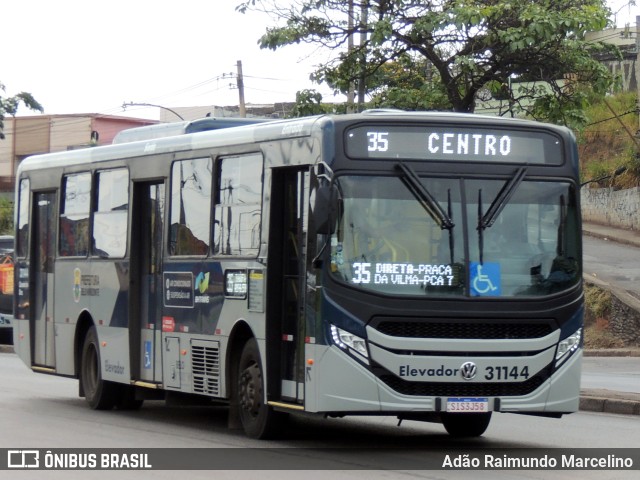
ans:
(100, 394)
(258, 419)
(465, 424)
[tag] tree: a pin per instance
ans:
(6, 216)
(407, 83)
(469, 45)
(9, 105)
(309, 102)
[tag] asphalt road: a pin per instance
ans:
(619, 374)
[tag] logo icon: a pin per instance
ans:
(23, 459)
(77, 275)
(202, 282)
(468, 370)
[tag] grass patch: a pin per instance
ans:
(597, 339)
(596, 319)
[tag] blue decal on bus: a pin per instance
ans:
(485, 279)
(147, 354)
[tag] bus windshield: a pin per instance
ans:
(387, 240)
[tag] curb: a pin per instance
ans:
(612, 352)
(610, 402)
(613, 234)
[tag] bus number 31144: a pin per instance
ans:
(504, 373)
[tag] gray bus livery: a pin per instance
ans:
(421, 265)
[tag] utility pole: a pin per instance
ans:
(240, 80)
(364, 20)
(351, 94)
(637, 64)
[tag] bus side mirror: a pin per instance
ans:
(325, 209)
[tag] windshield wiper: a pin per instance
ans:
(486, 220)
(501, 199)
(430, 204)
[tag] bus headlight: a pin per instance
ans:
(567, 346)
(350, 343)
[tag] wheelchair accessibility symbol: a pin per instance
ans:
(485, 279)
(147, 354)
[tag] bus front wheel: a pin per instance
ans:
(465, 424)
(258, 419)
(100, 394)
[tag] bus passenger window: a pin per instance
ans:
(22, 238)
(111, 215)
(190, 207)
(74, 218)
(238, 206)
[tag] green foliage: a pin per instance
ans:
(607, 143)
(309, 102)
(6, 217)
(9, 105)
(408, 83)
(468, 45)
(597, 302)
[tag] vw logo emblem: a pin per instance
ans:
(468, 370)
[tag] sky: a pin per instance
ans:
(78, 56)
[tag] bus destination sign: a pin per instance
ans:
(453, 143)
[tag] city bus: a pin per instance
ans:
(426, 266)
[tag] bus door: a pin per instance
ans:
(286, 283)
(43, 245)
(145, 281)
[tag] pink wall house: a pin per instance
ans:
(32, 135)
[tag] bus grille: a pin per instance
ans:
(439, 389)
(513, 329)
(205, 357)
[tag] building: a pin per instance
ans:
(271, 110)
(36, 134)
(626, 39)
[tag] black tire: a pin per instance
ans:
(258, 419)
(6, 336)
(100, 394)
(465, 424)
(126, 399)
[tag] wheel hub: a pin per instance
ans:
(250, 390)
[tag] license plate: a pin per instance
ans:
(467, 405)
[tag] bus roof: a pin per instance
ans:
(162, 130)
(249, 133)
(259, 131)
